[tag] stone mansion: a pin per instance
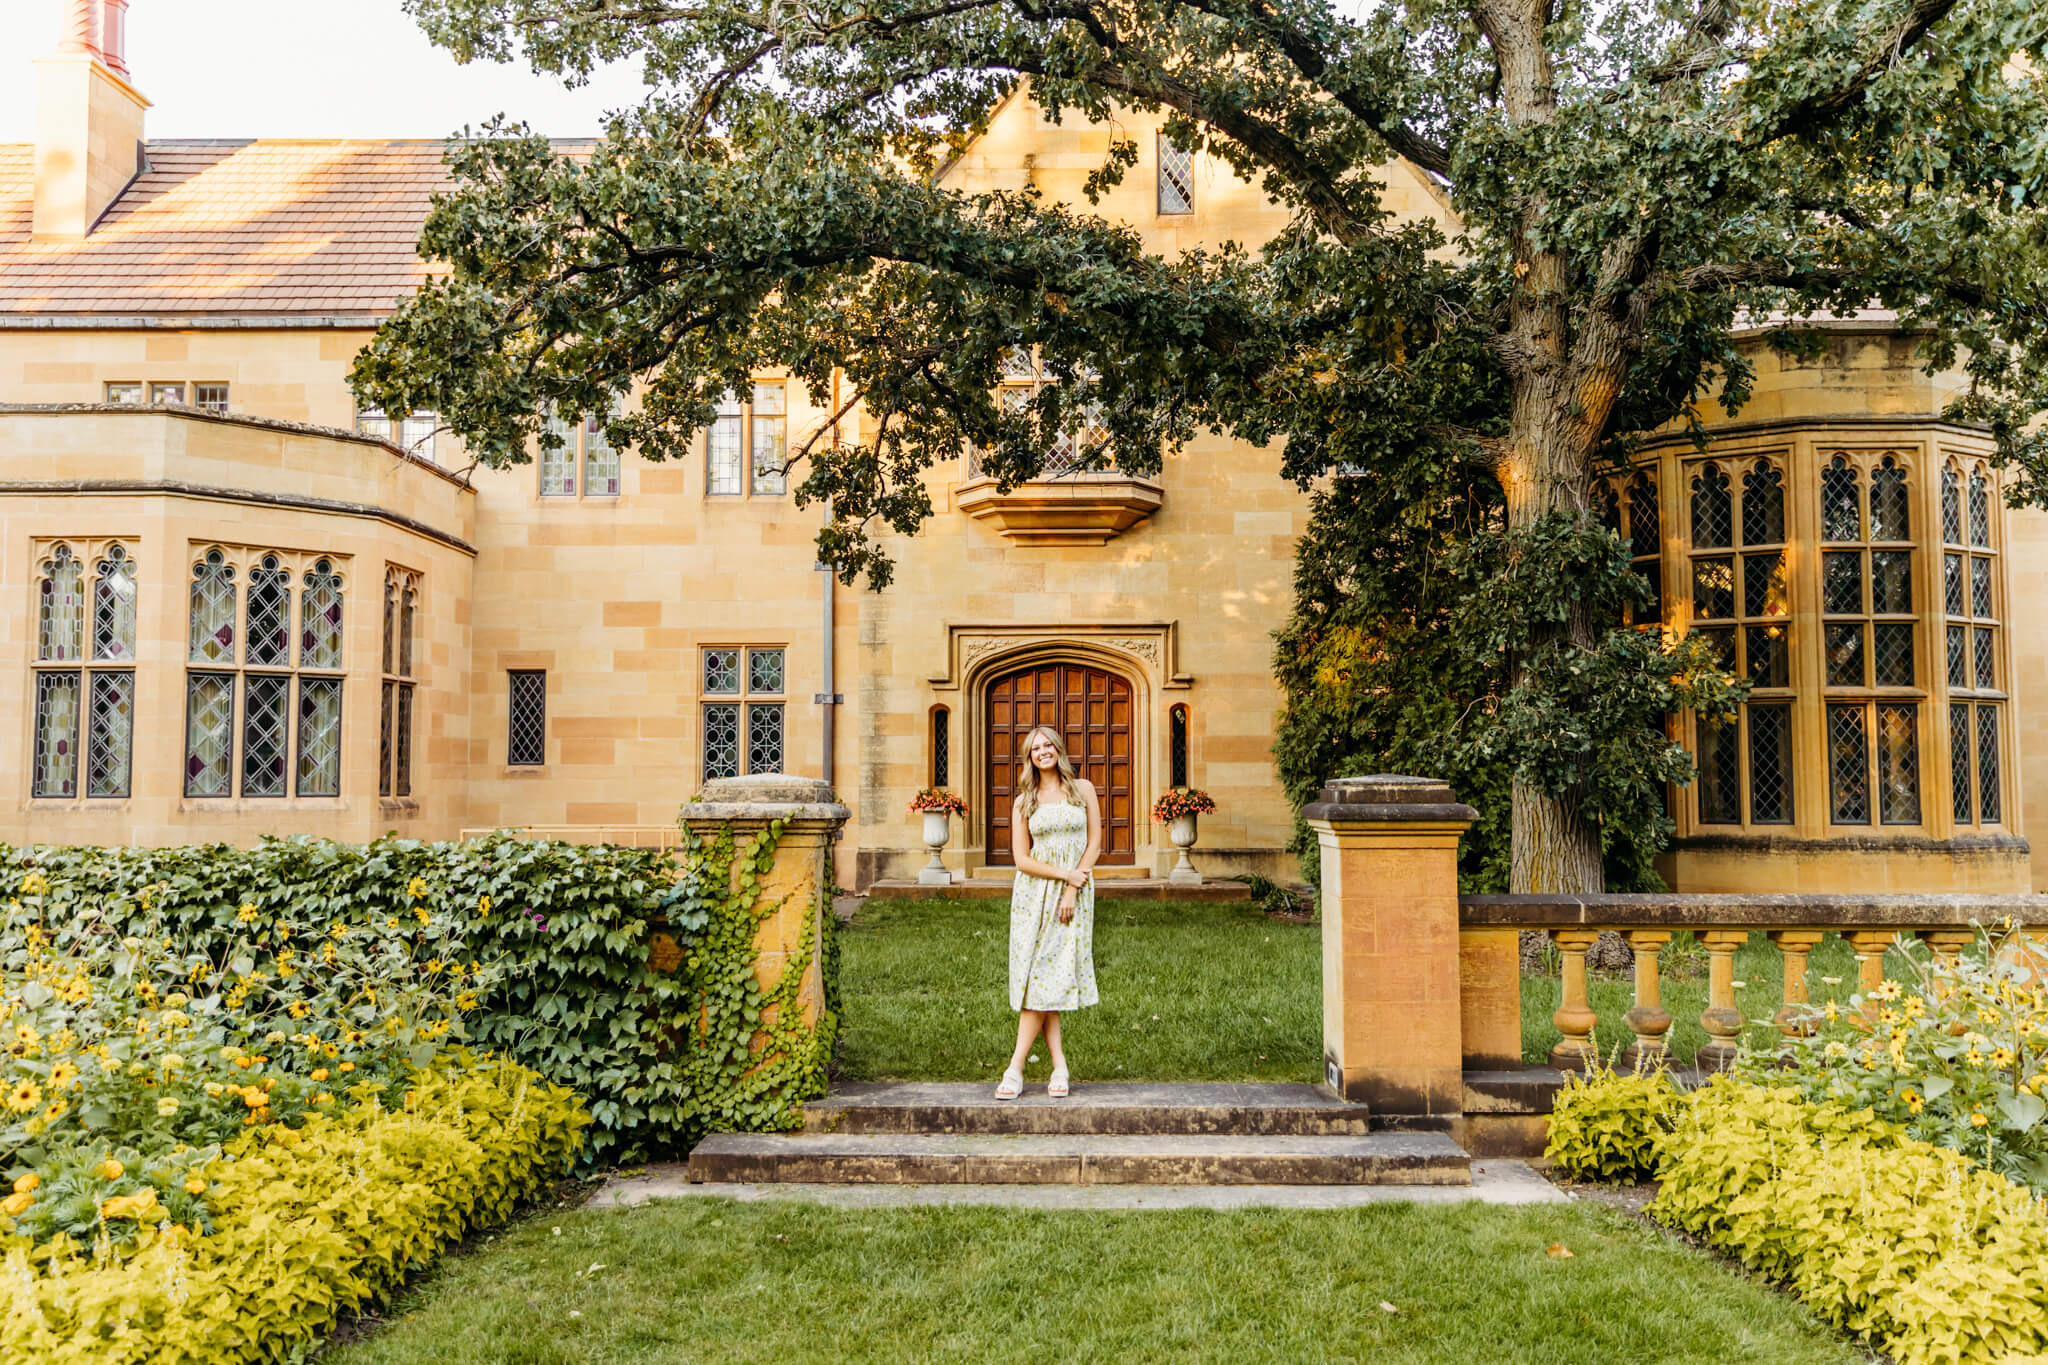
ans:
(238, 605)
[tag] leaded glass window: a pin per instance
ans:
(558, 462)
(320, 617)
(84, 717)
(1898, 764)
(942, 748)
(269, 600)
(213, 610)
(113, 608)
(265, 733)
(1023, 395)
(395, 703)
(246, 728)
(724, 449)
(1720, 775)
(319, 768)
(1970, 598)
(56, 752)
(1712, 525)
(1763, 506)
(1646, 545)
(1849, 765)
(209, 734)
(744, 734)
(527, 732)
(60, 607)
(1841, 514)
(1889, 515)
(1607, 506)
(1176, 177)
(769, 440)
(600, 462)
(1177, 746)
(413, 433)
(110, 739)
(1770, 763)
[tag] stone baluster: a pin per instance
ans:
(1870, 945)
(1721, 1019)
(1574, 1017)
(1648, 1019)
(1794, 1018)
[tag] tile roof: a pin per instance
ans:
(243, 227)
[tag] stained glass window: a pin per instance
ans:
(764, 739)
(743, 738)
(721, 670)
(60, 609)
(1176, 178)
(56, 753)
(722, 740)
(764, 670)
(213, 610)
(600, 462)
(526, 742)
(113, 608)
(942, 748)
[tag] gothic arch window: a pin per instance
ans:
(85, 706)
(395, 703)
(1646, 545)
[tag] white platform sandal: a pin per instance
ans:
(1056, 1088)
(1012, 1085)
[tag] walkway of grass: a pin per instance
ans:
(1194, 992)
(1190, 991)
(702, 1280)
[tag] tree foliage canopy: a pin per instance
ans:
(1629, 182)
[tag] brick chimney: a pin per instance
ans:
(88, 121)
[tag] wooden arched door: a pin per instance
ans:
(1091, 708)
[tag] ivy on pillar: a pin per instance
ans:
(1392, 1036)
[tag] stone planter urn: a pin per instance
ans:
(938, 828)
(1181, 834)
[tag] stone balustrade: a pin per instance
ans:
(1489, 927)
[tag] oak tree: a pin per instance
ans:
(1628, 181)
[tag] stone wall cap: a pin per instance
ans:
(1386, 789)
(783, 788)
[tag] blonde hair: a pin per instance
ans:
(1027, 798)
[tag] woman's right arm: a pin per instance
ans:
(1020, 850)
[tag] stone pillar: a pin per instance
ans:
(1392, 1032)
(791, 904)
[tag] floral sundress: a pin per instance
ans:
(1052, 965)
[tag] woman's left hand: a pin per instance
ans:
(1067, 908)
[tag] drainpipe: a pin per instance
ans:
(829, 701)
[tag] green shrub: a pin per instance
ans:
(308, 1224)
(1940, 1261)
(1956, 1053)
(573, 995)
(1611, 1126)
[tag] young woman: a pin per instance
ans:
(1055, 838)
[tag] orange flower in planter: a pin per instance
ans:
(937, 800)
(1181, 802)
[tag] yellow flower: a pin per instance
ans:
(1974, 1057)
(138, 1205)
(247, 914)
(416, 888)
(1837, 1049)
(433, 966)
(1977, 1119)
(177, 1000)
(347, 1067)
(2002, 1057)
(63, 1076)
(299, 1009)
(28, 1184)
(319, 1073)
(465, 1000)
(338, 929)
(166, 1107)
(1886, 990)
(195, 1185)
(323, 1098)
(54, 1110)
(214, 1087)
(34, 884)
(391, 923)
(483, 906)
(1915, 1007)
(420, 913)
(15, 1205)
(1914, 1102)
(109, 1169)
(25, 1096)
(327, 953)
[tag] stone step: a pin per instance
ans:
(1078, 1159)
(1135, 888)
(1131, 1108)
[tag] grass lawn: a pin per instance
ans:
(1194, 991)
(1191, 991)
(704, 1280)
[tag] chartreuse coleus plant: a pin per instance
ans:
(1624, 183)
(537, 950)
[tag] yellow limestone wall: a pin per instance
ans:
(616, 597)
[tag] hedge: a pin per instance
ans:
(1936, 1259)
(582, 1004)
(308, 1224)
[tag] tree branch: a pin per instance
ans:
(1816, 111)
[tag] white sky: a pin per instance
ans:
(301, 68)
